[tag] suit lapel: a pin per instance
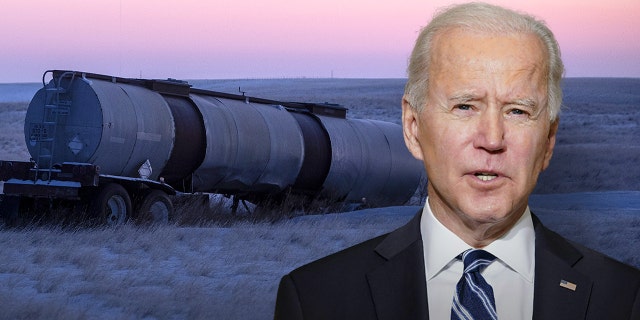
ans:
(560, 291)
(398, 286)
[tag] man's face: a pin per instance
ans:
(484, 133)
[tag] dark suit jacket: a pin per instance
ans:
(384, 278)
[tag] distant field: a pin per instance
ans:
(12, 142)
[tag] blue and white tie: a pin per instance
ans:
(473, 299)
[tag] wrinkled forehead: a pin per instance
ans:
(511, 65)
(490, 51)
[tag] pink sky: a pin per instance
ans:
(199, 39)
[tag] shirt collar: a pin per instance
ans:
(516, 248)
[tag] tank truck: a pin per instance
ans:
(120, 148)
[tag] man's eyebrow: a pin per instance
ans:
(463, 97)
(466, 97)
(525, 102)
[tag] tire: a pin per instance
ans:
(154, 207)
(111, 205)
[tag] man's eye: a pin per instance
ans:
(463, 107)
(517, 112)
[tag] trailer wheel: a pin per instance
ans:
(112, 205)
(155, 207)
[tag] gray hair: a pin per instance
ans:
(484, 18)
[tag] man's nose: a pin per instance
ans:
(490, 132)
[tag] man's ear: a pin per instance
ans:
(410, 128)
(551, 142)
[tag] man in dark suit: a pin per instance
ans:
(481, 111)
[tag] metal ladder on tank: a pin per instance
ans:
(56, 106)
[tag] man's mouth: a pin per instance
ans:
(486, 176)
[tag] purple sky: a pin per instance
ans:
(191, 39)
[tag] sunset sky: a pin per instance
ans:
(218, 39)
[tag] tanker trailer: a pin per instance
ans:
(121, 147)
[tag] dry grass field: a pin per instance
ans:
(208, 264)
(12, 144)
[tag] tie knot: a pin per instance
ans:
(475, 260)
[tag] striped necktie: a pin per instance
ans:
(473, 299)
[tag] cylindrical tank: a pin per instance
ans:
(200, 140)
(370, 162)
(114, 125)
(250, 147)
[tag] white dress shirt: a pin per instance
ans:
(511, 274)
